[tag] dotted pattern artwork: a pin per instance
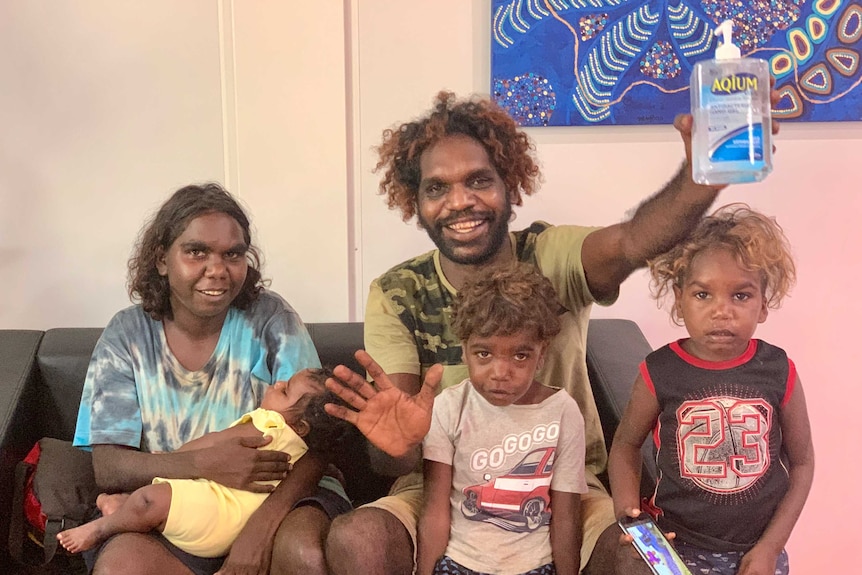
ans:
(529, 99)
(588, 62)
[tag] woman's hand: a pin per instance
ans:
(237, 462)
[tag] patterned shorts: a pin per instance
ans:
(445, 566)
(703, 562)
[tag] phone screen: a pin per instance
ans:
(653, 547)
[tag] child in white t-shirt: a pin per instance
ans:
(503, 450)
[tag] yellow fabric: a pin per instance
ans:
(205, 517)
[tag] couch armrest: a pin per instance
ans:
(17, 373)
(615, 349)
(18, 408)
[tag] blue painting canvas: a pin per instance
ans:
(593, 62)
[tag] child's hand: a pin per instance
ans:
(626, 539)
(760, 560)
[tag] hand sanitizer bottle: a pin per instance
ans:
(732, 135)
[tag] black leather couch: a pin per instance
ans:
(42, 373)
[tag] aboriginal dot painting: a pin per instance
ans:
(588, 62)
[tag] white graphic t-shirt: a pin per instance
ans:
(505, 461)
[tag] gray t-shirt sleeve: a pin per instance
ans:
(438, 444)
(569, 461)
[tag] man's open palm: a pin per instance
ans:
(393, 421)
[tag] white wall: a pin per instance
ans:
(106, 107)
(292, 147)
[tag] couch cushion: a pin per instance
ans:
(63, 360)
(337, 342)
(615, 350)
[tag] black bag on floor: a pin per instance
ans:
(54, 490)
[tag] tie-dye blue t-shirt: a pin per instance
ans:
(137, 394)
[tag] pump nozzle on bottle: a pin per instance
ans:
(727, 50)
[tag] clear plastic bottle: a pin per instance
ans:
(732, 136)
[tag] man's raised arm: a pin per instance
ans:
(611, 254)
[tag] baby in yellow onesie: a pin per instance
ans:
(203, 517)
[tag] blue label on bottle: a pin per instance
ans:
(746, 143)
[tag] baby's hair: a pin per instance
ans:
(756, 241)
(326, 434)
(507, 300)
(320, 374)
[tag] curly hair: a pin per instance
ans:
(756, 241)
(505, 300)
(327, 435)
(509, 149)
(151, 289)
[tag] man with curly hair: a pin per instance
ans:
(459, 170)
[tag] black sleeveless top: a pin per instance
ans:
(718, 443)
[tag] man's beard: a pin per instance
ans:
(497, 233)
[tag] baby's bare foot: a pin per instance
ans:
(110, 502)
(81, 538)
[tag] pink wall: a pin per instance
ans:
(814, 193)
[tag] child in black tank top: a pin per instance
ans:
(727, 412)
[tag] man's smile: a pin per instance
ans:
(466, 227)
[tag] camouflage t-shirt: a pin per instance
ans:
(408, 321)
(137, 394)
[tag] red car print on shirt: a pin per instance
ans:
(517, 501)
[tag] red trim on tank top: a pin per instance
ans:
(742, 359)
(647, 379)
(791, 382)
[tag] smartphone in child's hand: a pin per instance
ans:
(652, 545)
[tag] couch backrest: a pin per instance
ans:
(615, 347)
(64, 356)
(62, 360)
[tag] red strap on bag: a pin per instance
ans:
(32, 508)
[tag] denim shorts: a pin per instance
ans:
(445, 566)
(701, 561)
